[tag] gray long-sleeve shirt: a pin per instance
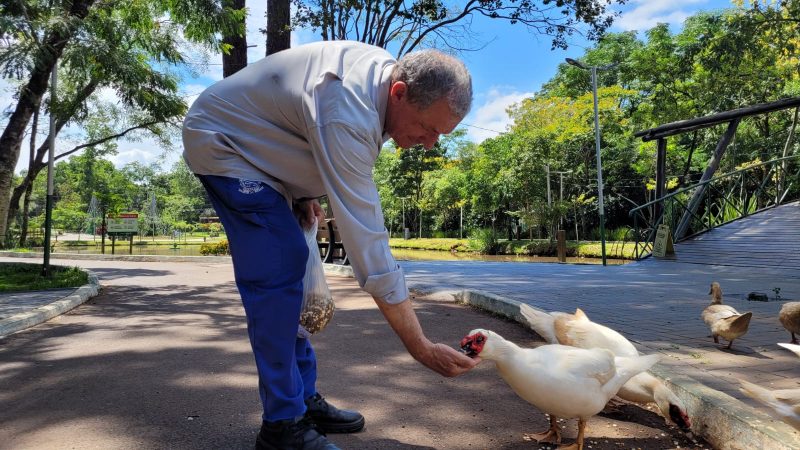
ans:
(308, 121)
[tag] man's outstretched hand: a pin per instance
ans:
(447, 361)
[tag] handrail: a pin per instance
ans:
(695, 186)
(721, 206)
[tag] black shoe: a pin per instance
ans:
(292, 435)
(331, 419)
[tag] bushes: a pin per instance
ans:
(215, 248)
(484, 240)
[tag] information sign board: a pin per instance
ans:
(122, 224)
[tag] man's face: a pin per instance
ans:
(409, 126)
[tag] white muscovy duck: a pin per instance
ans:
(794, 348)
(783, 404)
(578, 331)
(562, 381)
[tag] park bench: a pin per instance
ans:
(330, 243)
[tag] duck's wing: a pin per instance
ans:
(595, 363)
(577, 330)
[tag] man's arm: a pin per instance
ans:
(438, 357)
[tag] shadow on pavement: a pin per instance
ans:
(170, 367)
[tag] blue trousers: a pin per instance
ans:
(269, 255)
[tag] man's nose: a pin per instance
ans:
(429, 141)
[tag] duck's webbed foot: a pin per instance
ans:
(552, 435)
(578, 444)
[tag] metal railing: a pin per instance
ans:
(720, 200)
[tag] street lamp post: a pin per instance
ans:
(600, 207)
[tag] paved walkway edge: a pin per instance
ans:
(108, 256)
(723, 421)
(333, 269)
(27, 319)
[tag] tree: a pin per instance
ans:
(234, 44)
(46, 46)
(407, 24)
(278, 31)
(120, 46)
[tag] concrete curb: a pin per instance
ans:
(723, 421)
(27, 319)
(107, 257)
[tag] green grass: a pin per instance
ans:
(27, 277)
(540, 247)
(442, 244)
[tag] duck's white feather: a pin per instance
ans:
(579, 331)
(560, 380)
(783, 404)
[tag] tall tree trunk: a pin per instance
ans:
(236, 58)
(278, 26)
(23, 228)
(29, 99)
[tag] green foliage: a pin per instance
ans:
(498, 187)
(407, 25)
(484, 240)
(215, 248)
(25, 277)
(617, 234)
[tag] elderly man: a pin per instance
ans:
(286, 130)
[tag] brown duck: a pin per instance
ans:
(723, 320)
(790, 318)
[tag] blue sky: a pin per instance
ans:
(513, 65)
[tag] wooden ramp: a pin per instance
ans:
(769, 239)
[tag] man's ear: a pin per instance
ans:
(398, 90)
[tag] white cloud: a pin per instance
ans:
(145, 151)
(491, 118)
(643, 15)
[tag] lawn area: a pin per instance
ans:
(27, 277)
(540, 247)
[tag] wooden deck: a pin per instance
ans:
(769, 239)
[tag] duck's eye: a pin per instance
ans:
(480, 339)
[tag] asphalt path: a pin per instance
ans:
(160, 360)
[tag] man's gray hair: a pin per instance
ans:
(432, 75)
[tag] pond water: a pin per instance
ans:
(400, 254)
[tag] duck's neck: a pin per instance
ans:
(716, 296)
(502, 351)
(663, 397)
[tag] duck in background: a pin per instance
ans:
(723, 320)
(578, 331)
(562, 381)
(790, 319)
(783, 404)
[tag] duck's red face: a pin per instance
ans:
(680, 417)
(472, 345)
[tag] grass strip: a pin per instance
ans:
(15, 277)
